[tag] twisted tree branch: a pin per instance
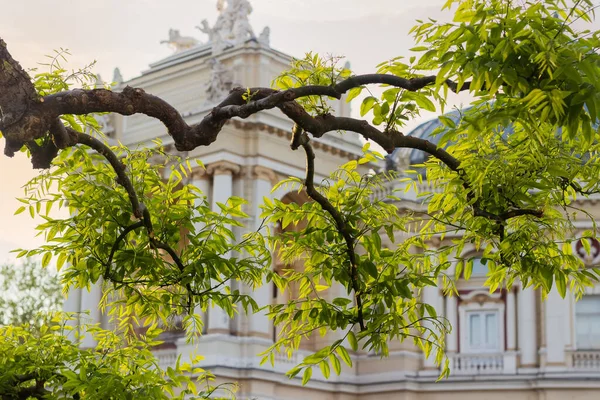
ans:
(25, 117)
(116, 244)
(300, 139)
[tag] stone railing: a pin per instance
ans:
(477, 364)
(397, 189)
(166, 358)
(282, 359)
(586, 360)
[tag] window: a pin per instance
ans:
(587, 322)
(483, 331)
(479, 268)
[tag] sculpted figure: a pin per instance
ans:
(219, 83)
(204, 27)
(265, 36)
(242, 30)
(232, 26)
(178, 42)
(117, 77)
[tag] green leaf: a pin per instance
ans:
(561, 283)
(371, 268)
(367, 105)
(343, 353)
(306, 376)
(425, 103)
(46, 259)
(335, 362)
(353, 93)
(294, 371)
(324, 366)
(352, 341)
(446, 121)
(468, 269)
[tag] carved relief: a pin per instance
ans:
(219, 83)
(481, 297)
(591, 258)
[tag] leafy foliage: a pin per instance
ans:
(46, 364)
(506, 176)
(387, 279)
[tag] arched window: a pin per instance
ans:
(479, 268)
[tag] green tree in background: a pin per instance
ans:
(26, 290)
(529, 70)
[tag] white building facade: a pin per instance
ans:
(508, 343)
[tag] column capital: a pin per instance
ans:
(264, 173)
(223, 168)
(200, 173)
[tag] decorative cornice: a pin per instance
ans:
(223, 168)
(247, 126)
(480, 297)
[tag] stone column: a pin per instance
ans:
(259, 323)
(452, 316)
(222, 171)
(431, 295)
(510, 355)
(511, 321)
(72, 304)
(90, 301)
(556, 317)
(202, 180)
(526, 330)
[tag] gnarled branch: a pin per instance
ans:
(300, 139)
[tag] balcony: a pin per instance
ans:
(483, 364)
(585, 360)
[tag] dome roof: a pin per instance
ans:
(408, 157)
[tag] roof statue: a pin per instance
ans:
(232, 26)
(219, 83)
(99, 82)
(265, 36)
(117, 77)
(178, 42)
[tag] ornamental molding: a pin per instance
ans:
(219, 84)
(223, 168)
(481, 297)
(261, 127)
